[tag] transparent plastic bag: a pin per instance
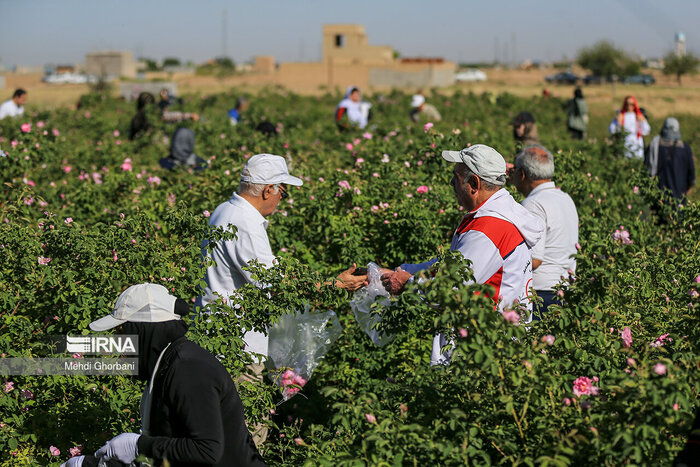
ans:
(297, 343)
(361, 305)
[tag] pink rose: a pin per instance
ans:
(422, 189)
(349, 146)
(463, 332)
(697, 278)
(206, 213)
(660, 369)
(631, 362)
(626, 336)
(299, 441)
(9, 386)
(26, 127)
(635, 190)
(371, 418)
(67, 168)
(75, 451)
(549, 339)
(427, 126)
(584, 386)
(367, 135)
(54, 451)
(567, 401)
(359, 161)
(511, 316)
(675, 407)
(344, 184)
(43, 261)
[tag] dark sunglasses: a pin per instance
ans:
(284, 194)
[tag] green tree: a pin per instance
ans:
(604, 59)
(679, 66)
(171, 61)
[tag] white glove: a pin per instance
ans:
(76, 461)
(122, 447)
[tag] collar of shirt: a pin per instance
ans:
(542, 186)
(252, 214)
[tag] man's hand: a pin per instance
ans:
(122, 447)
(350, 282)
(395, 281)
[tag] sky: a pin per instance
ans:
(38, 32)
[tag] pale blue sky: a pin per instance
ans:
(34, 32)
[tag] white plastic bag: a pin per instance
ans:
(361, 305)
(297, 343)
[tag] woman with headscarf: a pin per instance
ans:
(358, 113)
(140, 124)
(671, 160)
(631, 120)
(577, 115)
(182, 151)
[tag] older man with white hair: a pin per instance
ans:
(496, 234)
(554, 255)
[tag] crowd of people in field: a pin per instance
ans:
(191, 411)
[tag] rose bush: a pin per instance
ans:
(608, 378)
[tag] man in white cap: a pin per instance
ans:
(191, 412)
(496, 234)
(263, 185)
(421, 110)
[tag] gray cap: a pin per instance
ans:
(140, 303)
(671, 129)
(483, 161)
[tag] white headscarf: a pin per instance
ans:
(357, 111)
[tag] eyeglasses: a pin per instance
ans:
(283, 193)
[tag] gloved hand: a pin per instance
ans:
(76, 461)
(122, 447)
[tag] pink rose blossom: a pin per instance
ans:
(371, 418)
(344, 184)
(26, 127)
(549, 339)
(9, 386)
(43, 261)
(511, 316)
(367, 135)
(693, 293)
(635, 190)
(68, 220)
(126, 166)
(463, 332)
(427, 126)
(75, 451)
(626, 336)
(660, 369)
(206, 213)
(567, 401)
(299, 441)
(55, 132)
(359, 161)
(67, 168)
(675, 407)
(697, 278)
(631, 362)
(349, 146)
(54, 451)
(422, 189)
(584, 386)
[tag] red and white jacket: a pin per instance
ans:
(497, 237)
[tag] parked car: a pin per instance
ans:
(565, 77)
(470, 75)
(639, 79)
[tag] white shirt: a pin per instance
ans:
(10, 109)
(557, 247)
(634, 145)
(232, 256)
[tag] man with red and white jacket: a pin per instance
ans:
(496, 234)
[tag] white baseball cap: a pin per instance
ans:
(140, 303)
(267, 168)
(417, 100)
(483, 161)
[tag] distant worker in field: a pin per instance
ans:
(182, 151)
(496, 234)
(553, 255)
(14, 107)
(631, 120)
(577, 115)
(670, 159)
(166, 99)
(139, 123)
(351, 111)
(525, 130)
(236, 113)
(420, 110)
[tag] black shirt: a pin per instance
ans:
(676, 170)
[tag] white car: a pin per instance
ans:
(470, 75)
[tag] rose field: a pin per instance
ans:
(610, 378)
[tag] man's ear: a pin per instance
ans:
(267, 191)
(473, 182)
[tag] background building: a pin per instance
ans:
(110, 63)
